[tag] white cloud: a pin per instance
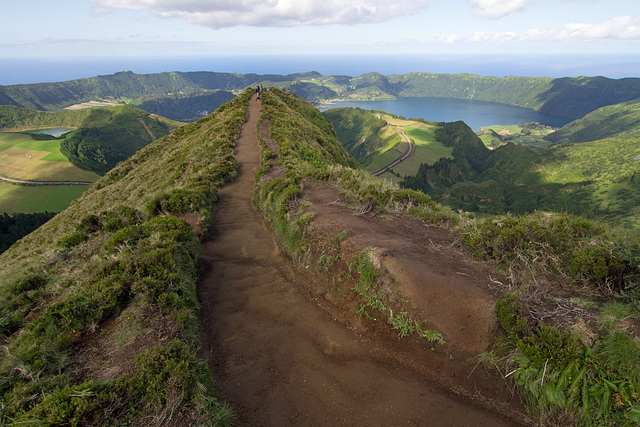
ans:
(618, 29)
(271, 13)
(499, 8)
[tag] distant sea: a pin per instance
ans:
(38, 70)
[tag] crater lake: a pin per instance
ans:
(476, 114)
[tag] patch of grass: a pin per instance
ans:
(117, 258)
(561, 376)
(38, 198)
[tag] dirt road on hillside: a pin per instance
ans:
(277, 357)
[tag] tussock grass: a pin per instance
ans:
(562, 269)
(119, 249)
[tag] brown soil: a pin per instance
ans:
(286, 348)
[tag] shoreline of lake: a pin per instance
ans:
(476, 114)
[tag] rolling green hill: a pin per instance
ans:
(185, 108)
(567, 97)
(376, 139)
(110, 135)
(360, 132)
(613, 121)
(99, 311)
(115, 274)
(597, 179)
(102, 136)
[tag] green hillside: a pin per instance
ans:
(110, 135)
(102, 136)
(613, 121)
(361, 132)
(115, 274)
(595, 179)
(127, 86)
(185, 108)
(564, 269)
(14, 118)
(99, 311)
(567, 97)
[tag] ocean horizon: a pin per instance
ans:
(39, 70)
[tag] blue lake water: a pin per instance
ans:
(476, 114)
(56, 132)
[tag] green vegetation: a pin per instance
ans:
(16, 226)
(185, 107)
(27, 159)
(309, 152)
(14, 118)
(116, 272)
(595, 179)
(38, 198)
(110, 135)
(374, 139)
(569, 367)
(569, 97)
(614, 121)
(363, 133)
(532, 134)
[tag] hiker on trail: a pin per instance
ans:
(258, 90)
(261, 88)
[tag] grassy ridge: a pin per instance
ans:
(567, 97)
(309, 152)
(568, 314)
(115, 267)
(619, 121)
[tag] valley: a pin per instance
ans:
(176, 286)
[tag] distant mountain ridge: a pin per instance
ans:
(567, 97)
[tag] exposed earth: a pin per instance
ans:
(287, 348)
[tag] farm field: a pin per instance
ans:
(41, 198)
(529, 134)
(427, 149)
(23, 158)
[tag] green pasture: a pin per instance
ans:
(514, 133)
(21, 140)
(383, 160)
(420, 136)
(40, 198)
(23, 158)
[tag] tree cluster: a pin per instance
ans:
(14, 227)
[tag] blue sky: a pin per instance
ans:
(105, 28)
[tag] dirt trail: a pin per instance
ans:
(277, 356)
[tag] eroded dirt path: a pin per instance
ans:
(277, 356)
